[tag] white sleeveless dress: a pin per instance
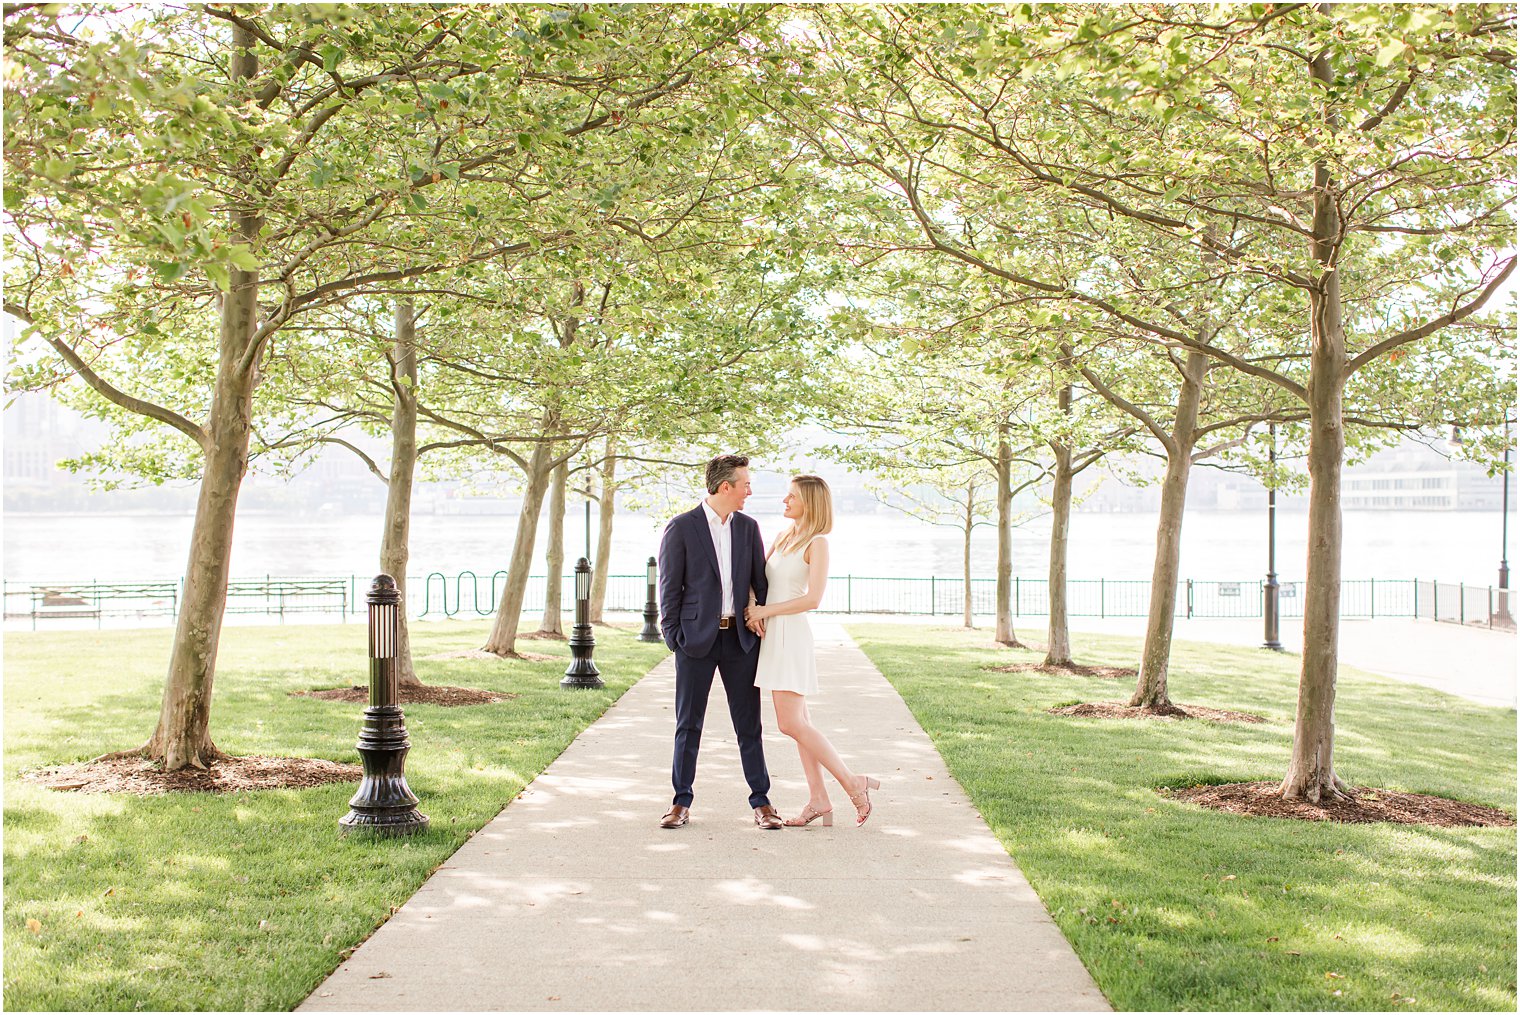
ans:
(786, 652)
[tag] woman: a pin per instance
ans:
(797, 570)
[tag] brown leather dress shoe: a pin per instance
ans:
(675, 817)
(767, 818)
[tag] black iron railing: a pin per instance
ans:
(467, 594)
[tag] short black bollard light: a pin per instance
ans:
(651, 630)
(384, 804)
(582, 671)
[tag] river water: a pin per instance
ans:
(1217, 545)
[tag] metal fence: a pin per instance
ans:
(1482, 605)
(99, 601)
(469, 595)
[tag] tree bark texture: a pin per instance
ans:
(1058, 652)
(1150, 689)
(183, 735)
(1311, 769)
(606, 512)
(1004, 629)
(503, 637)
(395, 540)
(969, 526)
(554, 558)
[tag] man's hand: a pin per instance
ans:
(757, 626)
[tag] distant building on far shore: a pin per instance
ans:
(1411, 477)
(1414, 477)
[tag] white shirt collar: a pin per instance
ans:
(712, 516)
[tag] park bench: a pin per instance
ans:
(280, 596)
(61, 600)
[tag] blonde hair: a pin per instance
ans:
(817, 514)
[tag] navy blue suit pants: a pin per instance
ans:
(694, 677)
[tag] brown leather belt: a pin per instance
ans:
(724, 623)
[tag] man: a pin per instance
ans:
(712, 565)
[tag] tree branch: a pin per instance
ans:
(1123, 403)
(1430, 327)
(114, 394)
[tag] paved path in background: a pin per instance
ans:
(574, 899)
(1471, 662)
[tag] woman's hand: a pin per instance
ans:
(755, 613)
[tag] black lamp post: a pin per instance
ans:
(384, 804)
(1270, 590)
(651, 630)
(582, 671)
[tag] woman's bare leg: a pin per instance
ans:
(792, 719)
(812, 771)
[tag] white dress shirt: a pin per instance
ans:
(723, 542)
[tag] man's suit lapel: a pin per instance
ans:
(708, 550)
(739, 554)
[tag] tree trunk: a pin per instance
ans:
(395, 540)
(969, 525)
(606, 511)
(503, 638)
(1311, 768)
(1004, 629)
(1150, 689)
(183, 735)
(552, 626)
(1058, 652)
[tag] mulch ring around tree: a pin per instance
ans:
(1119, 710)
(413, 694)
(141, 777)
(1075, 670)
(1262, 800)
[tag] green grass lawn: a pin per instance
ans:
(246, 901)
(1175, 907)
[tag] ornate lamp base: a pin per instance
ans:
(384, 804)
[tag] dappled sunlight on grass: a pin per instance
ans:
(1171, 905)
(245, 901)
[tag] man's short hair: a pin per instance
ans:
(724, 469)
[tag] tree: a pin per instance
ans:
(1079, 432)
(958, 495)
(1353, 162)
(1169, 392)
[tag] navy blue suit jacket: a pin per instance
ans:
(690, 586)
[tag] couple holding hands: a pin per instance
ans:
(727, 605)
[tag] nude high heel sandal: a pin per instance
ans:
(863, 799)
(809, 814)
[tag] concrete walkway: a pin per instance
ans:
(574, 899)
(1471, 662)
